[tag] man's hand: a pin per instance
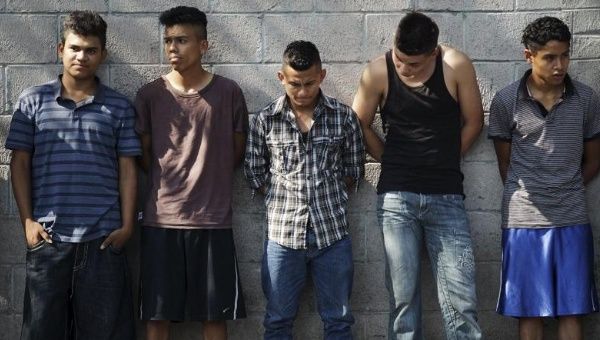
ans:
(35, 233)
(117, 238)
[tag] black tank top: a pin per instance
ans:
(422, 146)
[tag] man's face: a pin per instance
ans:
(81, 55)
(184, 47)
(550, 63)
(410, 66)
(302, 87)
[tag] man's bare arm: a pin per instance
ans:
(503, 149)
(367, 99)
(20, 174)
(591, 159)
(128, 195)
(469, 99)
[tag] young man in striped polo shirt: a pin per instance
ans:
(543, 126)
(74, 179)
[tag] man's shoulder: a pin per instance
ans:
(226, 83)
(151, 87)
(115, 97)
(509, 92)
(37, 91)
(377, 70)
(584, 90)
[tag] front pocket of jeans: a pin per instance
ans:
(115, 250)
(36, 246)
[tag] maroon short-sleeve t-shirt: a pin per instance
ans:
(191, 170)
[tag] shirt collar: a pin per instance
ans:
(98, 97)
(523, 92)
(282, 104)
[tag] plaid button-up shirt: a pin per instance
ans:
(304, 179)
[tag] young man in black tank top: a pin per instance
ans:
(431, 108)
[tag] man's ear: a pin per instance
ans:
(529, 54)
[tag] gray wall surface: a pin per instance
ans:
(247, 38)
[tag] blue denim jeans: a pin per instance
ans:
(284, 272)
(407, 219)
(77, 291)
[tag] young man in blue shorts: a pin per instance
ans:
(543, 126)
(74, 179)
(304, 153)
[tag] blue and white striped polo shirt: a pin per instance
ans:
(75, 149)
(544, 184)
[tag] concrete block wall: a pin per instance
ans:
(247, 38)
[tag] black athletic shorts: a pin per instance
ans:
(189, 275)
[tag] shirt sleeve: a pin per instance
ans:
(240, 111)
(354, 149)
(128, 143)
(499, 125)
(256, 162)
(22, 127)
(592, 121)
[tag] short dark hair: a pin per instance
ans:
(184, 15)
(542, 30)
(301, 55)
(85, 23)
(416, 34)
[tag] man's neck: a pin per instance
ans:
(542, 88)
(190, 81)
(77, 89)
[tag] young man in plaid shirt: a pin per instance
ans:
(305, 152)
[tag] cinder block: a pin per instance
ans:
(251, 286)
(374, 236)
(129, 6)
(258, 82)
(324, 30)
(369, 292)
(133, 39)
(488, 284)
(555, 4)
(248, 328)
(492, 77)
(249, 234)
(486, 234)
(128, 79)
(234, 39)
(12, 251)
(483, 148)
(376, 325)
(488, 5)
(4, 127)
(586, 46)
(262, 6)
(342, 81)
(482, 186)
(381, 29)
(586, 21)
(495, 326)
(18, 283)
(5, 288)
(504, 41)
(25, 6)
(361, 5)
(466, 5)
(586, 71)
(23, 35)
(6, 197)
(356, 223)
(11, 326)
(3, 108)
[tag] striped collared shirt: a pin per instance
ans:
(74, 165)
(304, 180)
(544, 184)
